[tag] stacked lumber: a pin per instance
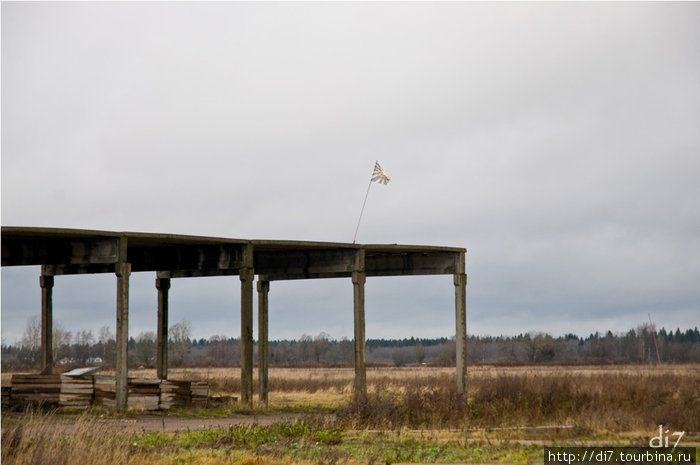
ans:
(85, 389)
(200, 392)
(36, 389)
(144, 394)
(66, 391)
(174, 393)
(105, 391)
(6, 391)
(76, 391)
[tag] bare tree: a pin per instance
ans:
(321, 346)
(31, 339)
(420, 352)
(540, 347)
(84, 340)
(180, 341)
(217, 350)
(61, 341)
(644, 333)
(146, 349)
(105, 335)
(305, 347)
(108, 345)
(402, 356)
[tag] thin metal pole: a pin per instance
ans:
(362, 211)
(363, 204)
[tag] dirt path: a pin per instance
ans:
(147, 423)
(164, 423)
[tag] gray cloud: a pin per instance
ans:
(557, 142)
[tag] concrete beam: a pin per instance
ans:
(263, 354)
(47, 250)
(409, 263)
(197, 273)
(46, 282)
(291, 276)
(163, 285)
(202, 258)
(306, 262)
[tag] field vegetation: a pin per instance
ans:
(410, 415)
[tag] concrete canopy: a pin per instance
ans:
(79, 251)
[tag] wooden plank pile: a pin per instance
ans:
(76, 392)
(144, 394)
(6, 391)
(200, 392)
(83, 390)
(28, 389)
(66, 391)
(105, 391)
(174, 393)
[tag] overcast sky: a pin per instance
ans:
(558, 142)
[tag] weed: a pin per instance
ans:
(34, 441)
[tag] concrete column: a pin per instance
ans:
(46, 283)
(460, 281)
(122, 270)
(263, 354)
(163, 285)
(358, 285)
(247, 274)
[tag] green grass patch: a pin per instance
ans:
(316, 442)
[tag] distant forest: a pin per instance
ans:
(641, 345)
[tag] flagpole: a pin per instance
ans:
(363, 205)
(362, 211)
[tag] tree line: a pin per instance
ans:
(641, 345)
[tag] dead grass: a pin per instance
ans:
(591, 401)
(591, 398)
(33, 440)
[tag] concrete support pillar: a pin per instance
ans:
(460, 281)
(123, 271)
(46, 283)
(263, 354)
(358, 285)
(163, 285)
(247, 274)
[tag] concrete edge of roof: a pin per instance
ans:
(29, 231)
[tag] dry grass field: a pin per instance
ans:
(622, 388)
(411, 414)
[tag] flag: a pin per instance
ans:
(378, 175)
